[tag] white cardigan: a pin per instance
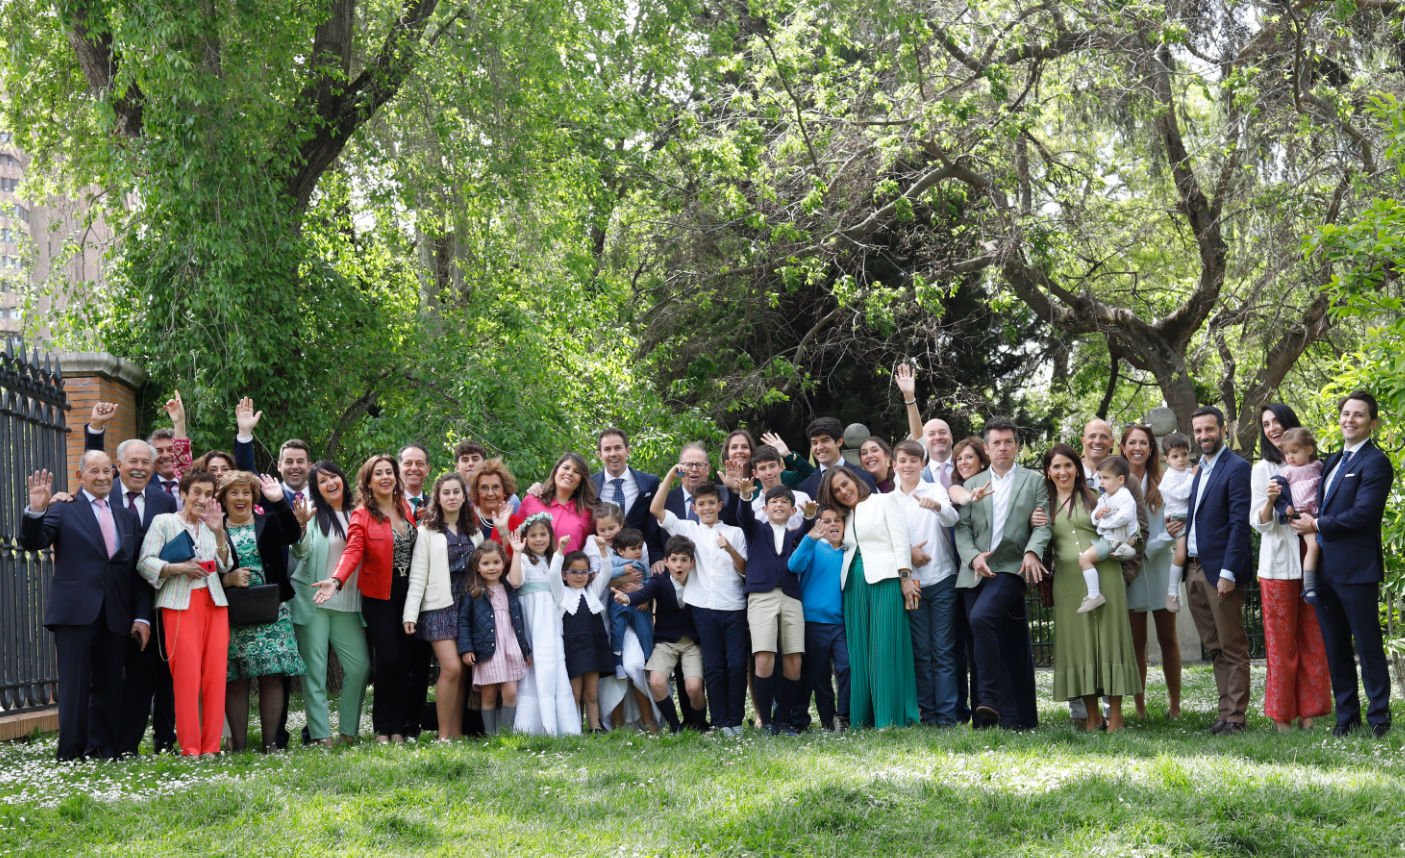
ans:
(1278, 549)
(174, 591)
(878, 527)
(430, 589)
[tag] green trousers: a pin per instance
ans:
(346, 633)
(882, 679)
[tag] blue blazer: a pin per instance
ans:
(1349, 516)
(1221, 521)
(638, 516)
(87, 583)
(478, 631)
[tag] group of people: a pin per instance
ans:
(890, 591)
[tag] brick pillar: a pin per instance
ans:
(90, 377)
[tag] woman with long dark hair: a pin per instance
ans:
(1093, 651)
(337, 623)
(380, 542)
(568, 497)
(1298, 686)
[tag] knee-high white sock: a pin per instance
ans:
(1090, 580)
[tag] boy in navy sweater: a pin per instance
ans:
(818, 561)
(675, 638)
(773, 610)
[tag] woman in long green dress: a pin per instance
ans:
(878, 590)
(266, 652)
(1093, 653)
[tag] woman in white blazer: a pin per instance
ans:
(194, 611)
(438, 580)
(878, 591)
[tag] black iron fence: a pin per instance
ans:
(32, 436)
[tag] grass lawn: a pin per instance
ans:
(1159, 788)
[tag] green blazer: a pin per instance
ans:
(973, 530)
(311, 553)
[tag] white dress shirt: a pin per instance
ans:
(714, 583)
(628, 486)
(1003, 491)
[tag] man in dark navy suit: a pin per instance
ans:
(629, 489)
(147, 691)
(826, 436)
(1351, 504)
(94, 602)
(1217, 565)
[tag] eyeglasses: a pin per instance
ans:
(692, 465)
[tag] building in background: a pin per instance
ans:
(50, 255)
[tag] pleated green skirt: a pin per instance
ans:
(882, 679)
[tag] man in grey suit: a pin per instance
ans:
(1000, 556)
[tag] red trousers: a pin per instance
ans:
(1298, 684)
(197, 645)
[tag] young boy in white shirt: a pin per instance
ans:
(715, 594)
(1115, 517)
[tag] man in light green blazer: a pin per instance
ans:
(1001, 555)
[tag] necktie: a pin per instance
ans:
(692, 514)
(169, 486)
(416, 503)
(109, 529)
(297, 497)
(1337, 474)
(132, 501)
(617, 492)
(944, 473)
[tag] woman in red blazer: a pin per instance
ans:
(379, 542)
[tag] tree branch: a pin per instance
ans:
(340, 115)
(92, 45)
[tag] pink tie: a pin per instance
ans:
(109, 529)
(944, 474)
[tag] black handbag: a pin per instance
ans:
(252, 606)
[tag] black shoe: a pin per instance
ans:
(1231, 727)
(1346, 729)
(984, 717)
(1380, 730)
(1218, 727)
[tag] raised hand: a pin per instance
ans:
(602, 546)
(175, 409)
(819, 532)
(246, 419)
(745, 487)
(517, 540)
(563, 542)
(102, 412)
(41, 490)
(272, 489)
(930, 504)
(809, 509)
(906, 380)
(731, 477)
(774, 440)
(213, 516)
(303, 510)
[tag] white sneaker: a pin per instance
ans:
(1091, 602)
(1173, 603)
(1124, 551)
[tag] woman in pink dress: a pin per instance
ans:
(568, 497)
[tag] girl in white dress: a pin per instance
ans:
(545, 704)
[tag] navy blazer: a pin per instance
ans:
(478, 632)
(1349, 516)
(1221, 521)
(638, 516)
(672, 621)
(86, 581)
(765, 569)
(811, 485)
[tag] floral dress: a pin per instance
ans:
(263, 650)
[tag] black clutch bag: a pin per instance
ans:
(252, 606)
